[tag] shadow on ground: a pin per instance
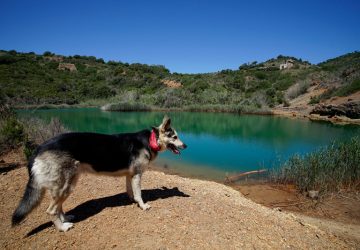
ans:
(95, 206)
(4, 168)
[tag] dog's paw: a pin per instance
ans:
(65, 226)
(145, 207)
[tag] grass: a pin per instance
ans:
(239, 109)
(131, 107)
(329, 169)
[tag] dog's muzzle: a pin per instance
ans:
(175, 149)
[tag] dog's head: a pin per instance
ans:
(167, 138)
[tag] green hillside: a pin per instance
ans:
(30, 79)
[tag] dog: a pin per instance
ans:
(57, 164)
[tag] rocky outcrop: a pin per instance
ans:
(172, 83)
(67, 66)
(349, 109)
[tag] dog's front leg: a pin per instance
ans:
(136, 187)
(129, 189)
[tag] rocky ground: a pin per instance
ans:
(339, 110)
(185, 213)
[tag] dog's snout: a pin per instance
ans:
(184, 146)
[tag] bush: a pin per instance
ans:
(260, 75)
(38, 131)
(271, 92)
(314, 100)
(11, 134)
(198, 86)
(11, 131)
(29, 132)
(297, 89)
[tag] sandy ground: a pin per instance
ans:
(186, 213)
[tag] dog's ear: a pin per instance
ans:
(165, 123)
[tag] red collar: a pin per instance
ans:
(153, 142)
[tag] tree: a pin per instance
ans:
(48, 53)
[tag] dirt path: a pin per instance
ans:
(185, 213)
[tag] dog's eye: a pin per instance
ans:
(175, 137)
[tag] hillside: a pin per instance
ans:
(30, 79)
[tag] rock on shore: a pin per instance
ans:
(349, 109)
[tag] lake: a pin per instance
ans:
(218, 143)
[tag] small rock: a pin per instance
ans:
(313, 194)
(277, 209)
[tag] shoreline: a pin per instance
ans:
(338, 120)
(292, 114)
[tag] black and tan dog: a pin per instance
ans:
(57, 163)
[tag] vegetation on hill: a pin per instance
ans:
(30, 79)
(342, 75)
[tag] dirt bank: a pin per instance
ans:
(185, 213)
(300, 107)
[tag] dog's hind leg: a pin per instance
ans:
(60, 192)
(136, 187)
(68, 187)
(63, 217)
(56, 213)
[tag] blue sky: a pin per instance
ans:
(185, 36)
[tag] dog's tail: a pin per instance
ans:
(31, 198)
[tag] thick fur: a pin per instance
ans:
(57, 163)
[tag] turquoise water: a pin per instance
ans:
(218, 143)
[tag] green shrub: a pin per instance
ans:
(314, 100)
(11, 134)
(271, 92)
(260, 75)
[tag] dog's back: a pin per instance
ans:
(105, 153)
